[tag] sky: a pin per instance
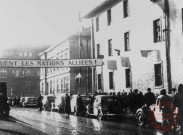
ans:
(40, 22)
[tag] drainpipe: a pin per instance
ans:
(93, 56)
(46, 83)
(167, 43)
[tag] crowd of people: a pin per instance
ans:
(135, 99)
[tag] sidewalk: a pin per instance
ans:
(12, 126)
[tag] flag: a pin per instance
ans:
(80, 41)
(78, 77)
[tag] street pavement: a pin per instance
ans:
(12, 126)
(29, 121)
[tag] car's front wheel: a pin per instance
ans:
(141, 121)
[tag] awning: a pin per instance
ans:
(125, 62)
(144, 53)
(112, 64)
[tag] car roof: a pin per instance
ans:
(105, 96)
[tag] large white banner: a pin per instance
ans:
(50, 63)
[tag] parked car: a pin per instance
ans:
(154, 114)
(59, 104)
(28, 102)
(74, 107)
(48, 102)
(105, 106)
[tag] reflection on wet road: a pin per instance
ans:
(61, 124)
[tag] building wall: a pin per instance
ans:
(21, 81)
(61, 80)
(140, 25)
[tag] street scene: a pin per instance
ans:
(55, 123)
(91, 67)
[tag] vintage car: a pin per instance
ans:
(105, 106)
(48, 102)
(59, 104)
(28, 102)
(154, 115)
(86, 98)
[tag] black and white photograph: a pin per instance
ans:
(91, 67)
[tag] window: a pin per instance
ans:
(57, 86)
(50, 87)
(110, 47)
(157, 30)
(111, 85)
(158, 71)
(99, 81)
(109, 17)
(126, 41)
(125, 8)
(98, 50)
(97, 24)
(61, 85)
(42, 87)
(128, 77)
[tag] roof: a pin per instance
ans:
(102, 7)
(105, 96)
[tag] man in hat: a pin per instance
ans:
(149, 98)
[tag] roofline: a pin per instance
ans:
(102, 7)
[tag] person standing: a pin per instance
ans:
(178, 102)
(67, 104)
(149, 98)
(40, 104)
(166, 112)
(79, 103)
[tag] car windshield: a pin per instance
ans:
(51, 98)
(86, 98)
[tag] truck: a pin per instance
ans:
(4, 105)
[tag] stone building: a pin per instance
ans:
(141, 43)
(21, 81)
(70, 80)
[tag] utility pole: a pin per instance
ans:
(167, 43)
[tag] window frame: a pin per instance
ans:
(157, 30)
(125, 8)
(99, 81)
(127, 41)
(128, 78)
(97, 24)
(109, 17)
(159, 74)
(98, 50)
(111, 80)
(110, 53)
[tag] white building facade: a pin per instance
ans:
(132, 37)
(57, 81)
